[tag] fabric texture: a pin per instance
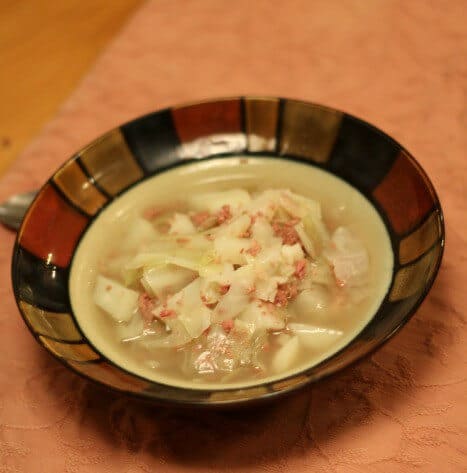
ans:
(399, 65)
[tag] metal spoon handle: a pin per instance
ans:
(12, 210)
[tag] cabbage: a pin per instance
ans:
(315, 338)
(316, 231)
(292, 253)
(349, 258)
(321, 272)
(259, 317)
(266, 204)
(306, 240)
(131, 330)
(181, 224)
(117, 300)
(286, 355)
(238, 297)
(236, 227)
(190, 309)
(166, 280)
(266, 288)
(231, 249)
(177, 336)
(312, 304)
(262, 232)
(221, 273)
(183, 257)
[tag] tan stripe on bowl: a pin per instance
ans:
(77, 187)
(73, 352)
(412, 278)
(240, 394)
(414, 245)
(111, 163)
(309, 131)
(51, 324)
(261, 123)
(111, 376)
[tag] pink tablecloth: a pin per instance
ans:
(401, 65)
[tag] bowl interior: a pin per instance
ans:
(348, 147)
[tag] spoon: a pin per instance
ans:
(12, 210)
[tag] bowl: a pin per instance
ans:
(335, 141)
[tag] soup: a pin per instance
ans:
(230, 272)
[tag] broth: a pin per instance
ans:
(342, 207)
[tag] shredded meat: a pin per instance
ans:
(251, 289)
(284, 293)
(286, 231)
(224, 214)
(166, 313)
(300, 268)
(224, 289)
(228, 325)
(254, 249)
(200, 217)
(146, 305)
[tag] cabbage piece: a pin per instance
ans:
(177, 336)
(213, 201)
(286, 356)
(312, 304)
(261, 317)
(299, 206)
(131, 330)
(190, 309)
(266, 288)
(139, 233)
(316, 231)
(236, 227)
(231, 249)
(313, 233)
(266, 203)
(315, 338)
(292, 253)
(244, 326)
(166, 280)
(307, 242)
(117, 300)
(232, 303)
(130, 276)
(294, 207)
(262, 232)
(183, 257)
(268, 260)
(349, 258)
(222, 352)
(238, 296)
(210, 293)
(181, 224)
(320, 272)
(221, 273)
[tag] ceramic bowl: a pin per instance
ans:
(346, 146)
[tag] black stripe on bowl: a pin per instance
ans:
(362, 155)
(38, 283)
(153, 140)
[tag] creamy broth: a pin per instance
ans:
(341, 205)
